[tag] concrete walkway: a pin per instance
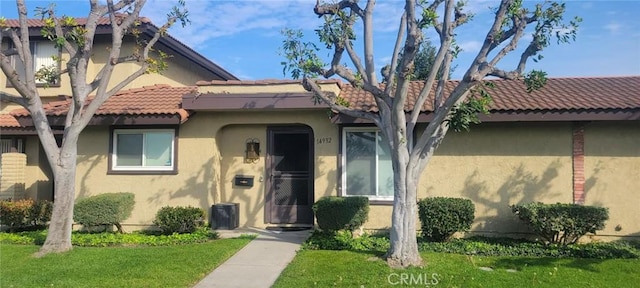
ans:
(259, 263)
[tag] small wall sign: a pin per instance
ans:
(323, 140)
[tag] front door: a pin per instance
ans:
(290, 175)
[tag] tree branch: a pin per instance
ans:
(4, 96)
(391, 74)
(356, 60)
(60, 32)
(332, 9)
(367, 21)
(440, 115)
(445, 44)
(472, 73)
(406, 63)
(311, 85)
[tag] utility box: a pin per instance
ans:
(224, 216)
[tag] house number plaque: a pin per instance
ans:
(324, 140)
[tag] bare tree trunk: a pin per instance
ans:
(403, 251)
(59, 233)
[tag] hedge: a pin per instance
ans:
(562, 223)
(21, 214)
(441, 217)
(104, 209)
(179, 219)
(336, 213)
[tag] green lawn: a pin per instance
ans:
(164, 266)
(322, 268)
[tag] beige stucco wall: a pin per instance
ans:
(210, 154)
(276, 87)
(495, 165)
(38, 172)
(500, 164)
(612, 174)
(180, 71)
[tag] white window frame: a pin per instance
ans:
(114, 153)
(343, 161)
(33, 46)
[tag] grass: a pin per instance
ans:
(323, 268)
(165, 266)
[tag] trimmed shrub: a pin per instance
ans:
(15, 213)
(336, 213)
(40, 212)
(104, 209)
(179, 219)
(562, 223)
(20, 214)
(443, 216)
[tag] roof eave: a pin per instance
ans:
(251, 101)
(528, 116)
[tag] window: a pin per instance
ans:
(11, 145)
(366, 164)
(143, 150)
(43, 52)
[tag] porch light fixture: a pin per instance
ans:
(252, 154)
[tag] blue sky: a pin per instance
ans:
(244, 36)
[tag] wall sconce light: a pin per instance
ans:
(252, 154)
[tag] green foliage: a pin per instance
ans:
(301, 57)
(106, 239)
(40, 212)
(342, 102)
(49, 75)
(429, 17)
(483, 246)
(477, 246)
(343, 240)
(179, 219)
(104, 209)
(562, 223)
(441, 217)
(72, 32)
(466, 113)
(336, 31)
(535, 80)
(21, 214)
(337, 213)
(14, 213)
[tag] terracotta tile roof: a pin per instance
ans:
(148, 100)
(39, 23)
(263, 82)
(510, 95)
(7, 120)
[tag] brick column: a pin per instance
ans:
(12, 176)
(578, 163)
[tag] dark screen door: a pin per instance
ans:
(290, 173)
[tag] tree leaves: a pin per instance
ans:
(466, 113)
(301, 58)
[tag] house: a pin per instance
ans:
(30, 176)
(266, 146)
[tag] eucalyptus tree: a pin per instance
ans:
(411, 149)
(77, 40)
